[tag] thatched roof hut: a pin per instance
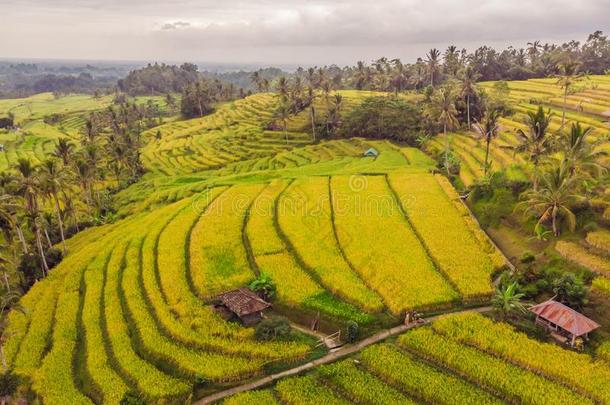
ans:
(243, 304)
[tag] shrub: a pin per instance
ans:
(131, 398)
(274, 328)
(264, 286)
(9, 383)
(571, 290)
(353, 331)
(527, 257)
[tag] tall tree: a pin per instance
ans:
(442, 110)
(581, 154)
(535, 141)
(553, 199)
(568, 75)
(488, 129)
(432, 61)
(52, 180)
(29, 189)
(468, 89)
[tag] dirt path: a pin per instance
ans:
(329, 358)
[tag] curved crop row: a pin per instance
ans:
(420, 379)
(218, 259)
(445, 234)
(375, 237)
(304, 216)
(574, 369)
(505, 380)
(360, 386)
(294, 286)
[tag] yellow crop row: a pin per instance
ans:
(576, 253)
(149, 380)
(570, 368)
(599, 239)
(307, 391)
(304, 216)
(503, 379)
(162, 350)
(420, 379)
(218, 259)
(360, 386)
(382, 246)
(259, 397)
(445, 234)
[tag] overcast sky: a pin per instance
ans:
(283, 32)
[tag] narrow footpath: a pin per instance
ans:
(329, 358)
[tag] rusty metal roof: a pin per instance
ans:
(564, 317)
(242, 301)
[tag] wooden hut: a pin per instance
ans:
(242, 304)
(564, 323)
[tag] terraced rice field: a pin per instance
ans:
(587, 103)
(344, 238)
(458, 359)
(33, 138)
(133, 299)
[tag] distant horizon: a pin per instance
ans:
(260, 65)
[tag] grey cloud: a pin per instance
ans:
(175, 25)
(319, 31)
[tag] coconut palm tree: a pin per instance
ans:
(442, 110)
(256, 79)
(432, 61)
(581, 155)
(29, 188)
(52, 180)
(507, 301)
(283, 113)
(553, 198)
(468, 88)
(488, 129)
(9, 204)
(362, 76)
(64, 150)
(282, 88)
(568, 75)
(535, 141)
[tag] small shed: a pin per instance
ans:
(563, 321)
(371, 152)
(242, 304)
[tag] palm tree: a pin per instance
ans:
(29, 189)
(255, 77)
(361, 76)
(442, 110)
(553, 199)
(433, 62)
(507, 301)
(8, 207)
(583, 156)
(469, 79)
(282, 88)
(52, 180)
(64, 150)
(535, 141)
(283, 113)
(568, 75)
(488, 129)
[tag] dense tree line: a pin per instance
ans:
(42, 205)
